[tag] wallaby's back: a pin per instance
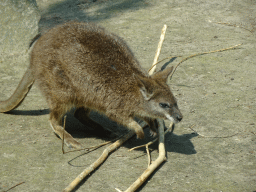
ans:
(79, 61)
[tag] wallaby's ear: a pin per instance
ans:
(163, 75)
(144, 86)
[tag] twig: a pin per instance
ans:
(98, 162)
(220, 50)
(151, 142)
(232, 25)
(149, 156)
(211, 136)
(158, 50)
(147, 144)
(93, 147)
(63, 135)
(87, 148)
(15, 186)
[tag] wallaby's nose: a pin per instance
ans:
(179, 117)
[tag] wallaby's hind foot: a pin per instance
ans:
(82, 114)
(60, 132)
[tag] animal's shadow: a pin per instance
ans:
(173, 143)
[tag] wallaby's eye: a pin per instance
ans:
(164, 105)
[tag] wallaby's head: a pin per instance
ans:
(158, 100)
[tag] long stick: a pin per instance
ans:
(220, 50)
(98, 162)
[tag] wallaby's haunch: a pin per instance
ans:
(81, 65)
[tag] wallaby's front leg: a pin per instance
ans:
(59, 131)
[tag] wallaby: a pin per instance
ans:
(81, 65)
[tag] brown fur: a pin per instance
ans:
(81, 65)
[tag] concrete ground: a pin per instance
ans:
(215, 92)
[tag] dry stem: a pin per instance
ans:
(211, 136)
(87, 148)
(152, 70)
(98, 162)
(203, 53)
(63, 135)
(151, 142)
(15, 186)
(220, 50)
(233, 25)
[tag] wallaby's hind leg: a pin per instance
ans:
(56, 123)
(82, 114)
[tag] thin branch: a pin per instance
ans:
(232, 25)
(211, 136)
(149, 156)
(15, 186)
(152, 70)
(151, 142)
(63, 135)
(98, 162)
(87, 148)
(147, 144)
(220, 50)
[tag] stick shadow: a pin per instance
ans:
(29, 112)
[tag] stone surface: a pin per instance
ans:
(216, 93)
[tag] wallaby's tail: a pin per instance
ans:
(20, 93)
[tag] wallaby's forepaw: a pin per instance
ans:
(140, 134)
